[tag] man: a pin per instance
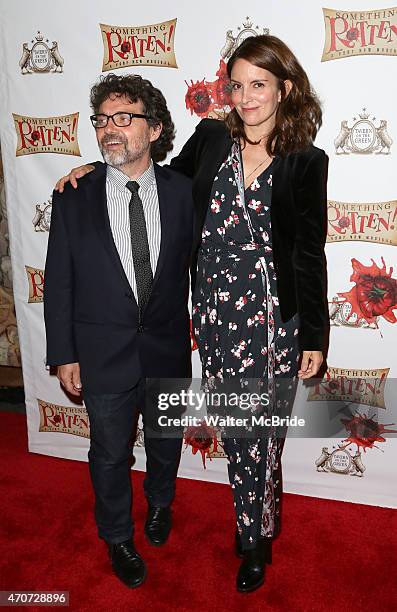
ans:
(115, 303)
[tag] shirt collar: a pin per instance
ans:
(119, 179)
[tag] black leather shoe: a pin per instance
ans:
(158, 525)
(127, 564)
(251, 574)
(267, 543)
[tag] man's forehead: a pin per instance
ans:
(121, 100)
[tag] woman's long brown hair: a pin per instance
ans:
(299, 116)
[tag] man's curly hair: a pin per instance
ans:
(135, 88)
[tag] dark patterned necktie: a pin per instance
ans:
(140, 247)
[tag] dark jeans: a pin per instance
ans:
(112, 420)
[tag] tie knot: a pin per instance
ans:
(133, 186)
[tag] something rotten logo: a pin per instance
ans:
(349, 33)
(36, 284)
(363, 137)
(374, 295)
(212, 98)
(149, 45)
(47, 134)
(363, 221)
(365, 387)
(41, 57)
(63, 419)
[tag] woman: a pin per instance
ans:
(259, 303)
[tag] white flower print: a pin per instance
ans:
(258, 319)
(212, 315)
(224, 296)
(255, 185)
(215, 206)
(281, 354)
(256, 205)
(241, 302)
(239, 348)
(254, 453)
(246, 363)
(232, 220)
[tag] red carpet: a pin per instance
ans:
(330, 556)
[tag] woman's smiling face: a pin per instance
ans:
(256, 95)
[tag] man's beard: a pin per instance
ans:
(125, 155)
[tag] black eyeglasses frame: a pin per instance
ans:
(131, 115)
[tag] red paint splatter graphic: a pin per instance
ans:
(364, 431)
(201, 438)
(209, 98)
(198, 99)
(375, 292)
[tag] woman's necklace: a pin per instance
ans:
(258, 166)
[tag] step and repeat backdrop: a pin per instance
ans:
(52, 53)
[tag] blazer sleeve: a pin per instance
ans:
(58, 289)
(309, 260)
(185, 161)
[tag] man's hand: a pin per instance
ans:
(69, 375)
(311, 362)
(73, 175)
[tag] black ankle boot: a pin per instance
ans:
(267, 542)
(251, 574)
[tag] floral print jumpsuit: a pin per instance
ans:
(239, 332)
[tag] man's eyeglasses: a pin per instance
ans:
(119, 119)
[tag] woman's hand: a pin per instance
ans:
(73, 175)
(311, 362)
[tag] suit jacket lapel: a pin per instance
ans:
(96, 193)
(165, 200)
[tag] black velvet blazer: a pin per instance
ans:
(298, 218)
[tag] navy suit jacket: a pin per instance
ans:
(91, 314)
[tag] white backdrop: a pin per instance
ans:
(354, 89)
